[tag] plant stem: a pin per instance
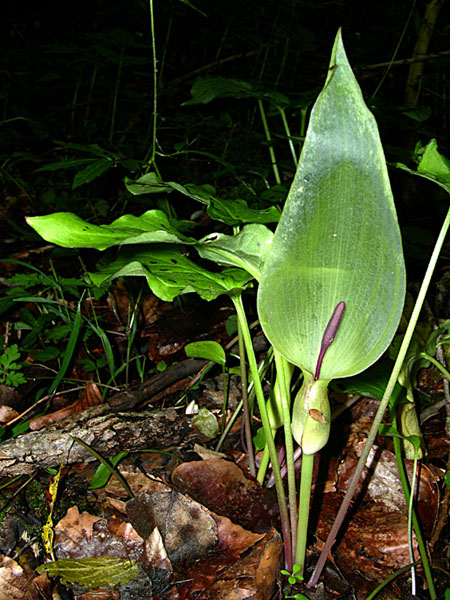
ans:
(381, 410)
(288, 133)
(303, 510)
(269, 139)
(284, 516)
(415, 522)
(246, 411)
(391, 578)
(151, 153)
(285, 380)
(436, 363)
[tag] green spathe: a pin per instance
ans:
(311, 415)
(337, 240)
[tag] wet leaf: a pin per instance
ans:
(170, 274)
(247, 250)
(68, 230)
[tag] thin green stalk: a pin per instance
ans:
(288, 133)
(264, 463)
(381, 410)
(415, 522)
(285, 380)
(246, 411)
(273, 159)
(284, 516)
(303, 510)
(151, 153)
(391, 577)
(116, 95)
(436, 363)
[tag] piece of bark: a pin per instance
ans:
(106, 431)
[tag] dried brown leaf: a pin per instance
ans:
(222, 487)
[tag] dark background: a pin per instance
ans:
(82, 73)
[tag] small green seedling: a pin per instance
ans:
(295, 576)
(10, 370)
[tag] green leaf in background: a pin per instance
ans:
(68, 230)
(371, 382)
(92, 572)
(207, 89)
(208, 350)
(338, 240)
(229, 211)
(247, 250)
(91, 172)
(169, 273)
(432, 166)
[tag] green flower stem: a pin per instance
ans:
(436, 363)
(273, 159)
(415, 522)
(285, 380)
(381, 410)
(303, 509)
(264, 463)
(246, 412)
(284, 516)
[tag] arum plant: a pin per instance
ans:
(333, 285)
(332, 278)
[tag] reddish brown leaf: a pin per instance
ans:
(223, 488)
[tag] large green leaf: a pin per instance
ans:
(68, 230)
(337, 239)
(170, 274)
(232, 211)
(247, 250)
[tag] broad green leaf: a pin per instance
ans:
(68, 230)
(432, 166)
(230, 211)
(208, 350)
(170, 274)
(70, 163)
(207, 89)
(338, 239)
(247, 250)
(91, 172)
(92, 572)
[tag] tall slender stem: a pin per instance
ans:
(285, 380)
(273, 159)
(415, 522)
(303, 509)
(151, 153)
(284, 516)
(246, 409)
